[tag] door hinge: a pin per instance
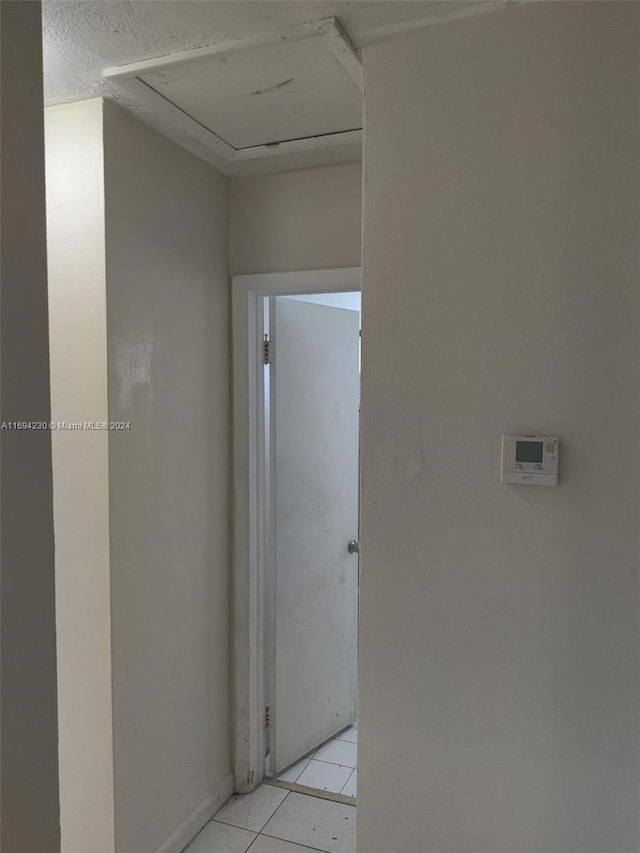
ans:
(266, 350)
(267, 731)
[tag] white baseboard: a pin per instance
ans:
(189, 828)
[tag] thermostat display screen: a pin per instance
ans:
(529, 451)
(530, 459)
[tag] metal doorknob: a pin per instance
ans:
(353, 547)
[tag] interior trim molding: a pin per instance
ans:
(190, 827)
(248, 554)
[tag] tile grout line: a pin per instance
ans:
(330, 790)
(200, 831)
(335, 764)
(286, 840)
(280, 779)
(347, 782)
(275, 838)
(260, 832)
(253, 842)
(235, 825)
(303, 769)
(274, 812)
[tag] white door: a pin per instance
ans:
(315, 388)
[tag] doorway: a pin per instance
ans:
(296, 414)
(311, 422)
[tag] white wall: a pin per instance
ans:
(351, 301)
(297, 220)
(167, 216)
(29, 761)
(138, 248)
(78, 334)
(499, 627)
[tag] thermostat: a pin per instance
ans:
(530, 460)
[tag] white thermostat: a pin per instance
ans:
(530, 460)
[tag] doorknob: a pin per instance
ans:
(353, 547)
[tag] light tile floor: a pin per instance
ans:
(332, 767)
(275, 820)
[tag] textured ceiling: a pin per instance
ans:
(83, 37)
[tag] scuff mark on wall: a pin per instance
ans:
(133, 366)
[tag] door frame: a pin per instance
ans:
(249, 547)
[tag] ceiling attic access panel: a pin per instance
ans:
(295, 89)
(289, 90)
